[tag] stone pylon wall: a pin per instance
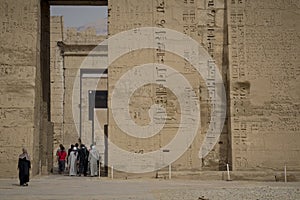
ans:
(261, 81)
(20, 92)
(264, 47)
(204, 22)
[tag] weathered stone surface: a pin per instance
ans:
(258, 59)
(263, 45)
(19, 61)
(202, 21)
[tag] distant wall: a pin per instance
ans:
(69, 49)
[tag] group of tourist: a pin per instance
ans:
(79, 160)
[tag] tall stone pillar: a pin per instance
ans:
(46, 128)
(20, 91)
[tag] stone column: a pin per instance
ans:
(20, 98)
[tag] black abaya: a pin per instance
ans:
(24, 166)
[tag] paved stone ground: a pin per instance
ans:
(58, 187)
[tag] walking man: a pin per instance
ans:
(94, 158)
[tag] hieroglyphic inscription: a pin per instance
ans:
(211, 87)
(160, 93)
(161, 72)
(130, 15)
(189, 18)
(264, 105)
(237, 42)
(211, 23)
(160, 38)
(237, 59)
(160, 14)
(202, 21)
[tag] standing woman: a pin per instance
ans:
(73, 162)
(24, 166)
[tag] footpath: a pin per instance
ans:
(63, 187)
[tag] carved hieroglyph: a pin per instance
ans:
(264, 45)
(202, 21)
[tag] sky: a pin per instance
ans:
(75, 16)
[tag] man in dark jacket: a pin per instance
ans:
(83, 155)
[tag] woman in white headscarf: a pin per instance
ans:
(94, 157)
(24, 167)
(72, 162)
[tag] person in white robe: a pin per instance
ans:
(94, 157)
(72, 162)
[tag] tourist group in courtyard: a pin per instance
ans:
(78, 161)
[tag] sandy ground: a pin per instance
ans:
(64, 187)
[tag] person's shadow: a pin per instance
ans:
(9, 187)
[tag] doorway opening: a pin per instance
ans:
(75, 28)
